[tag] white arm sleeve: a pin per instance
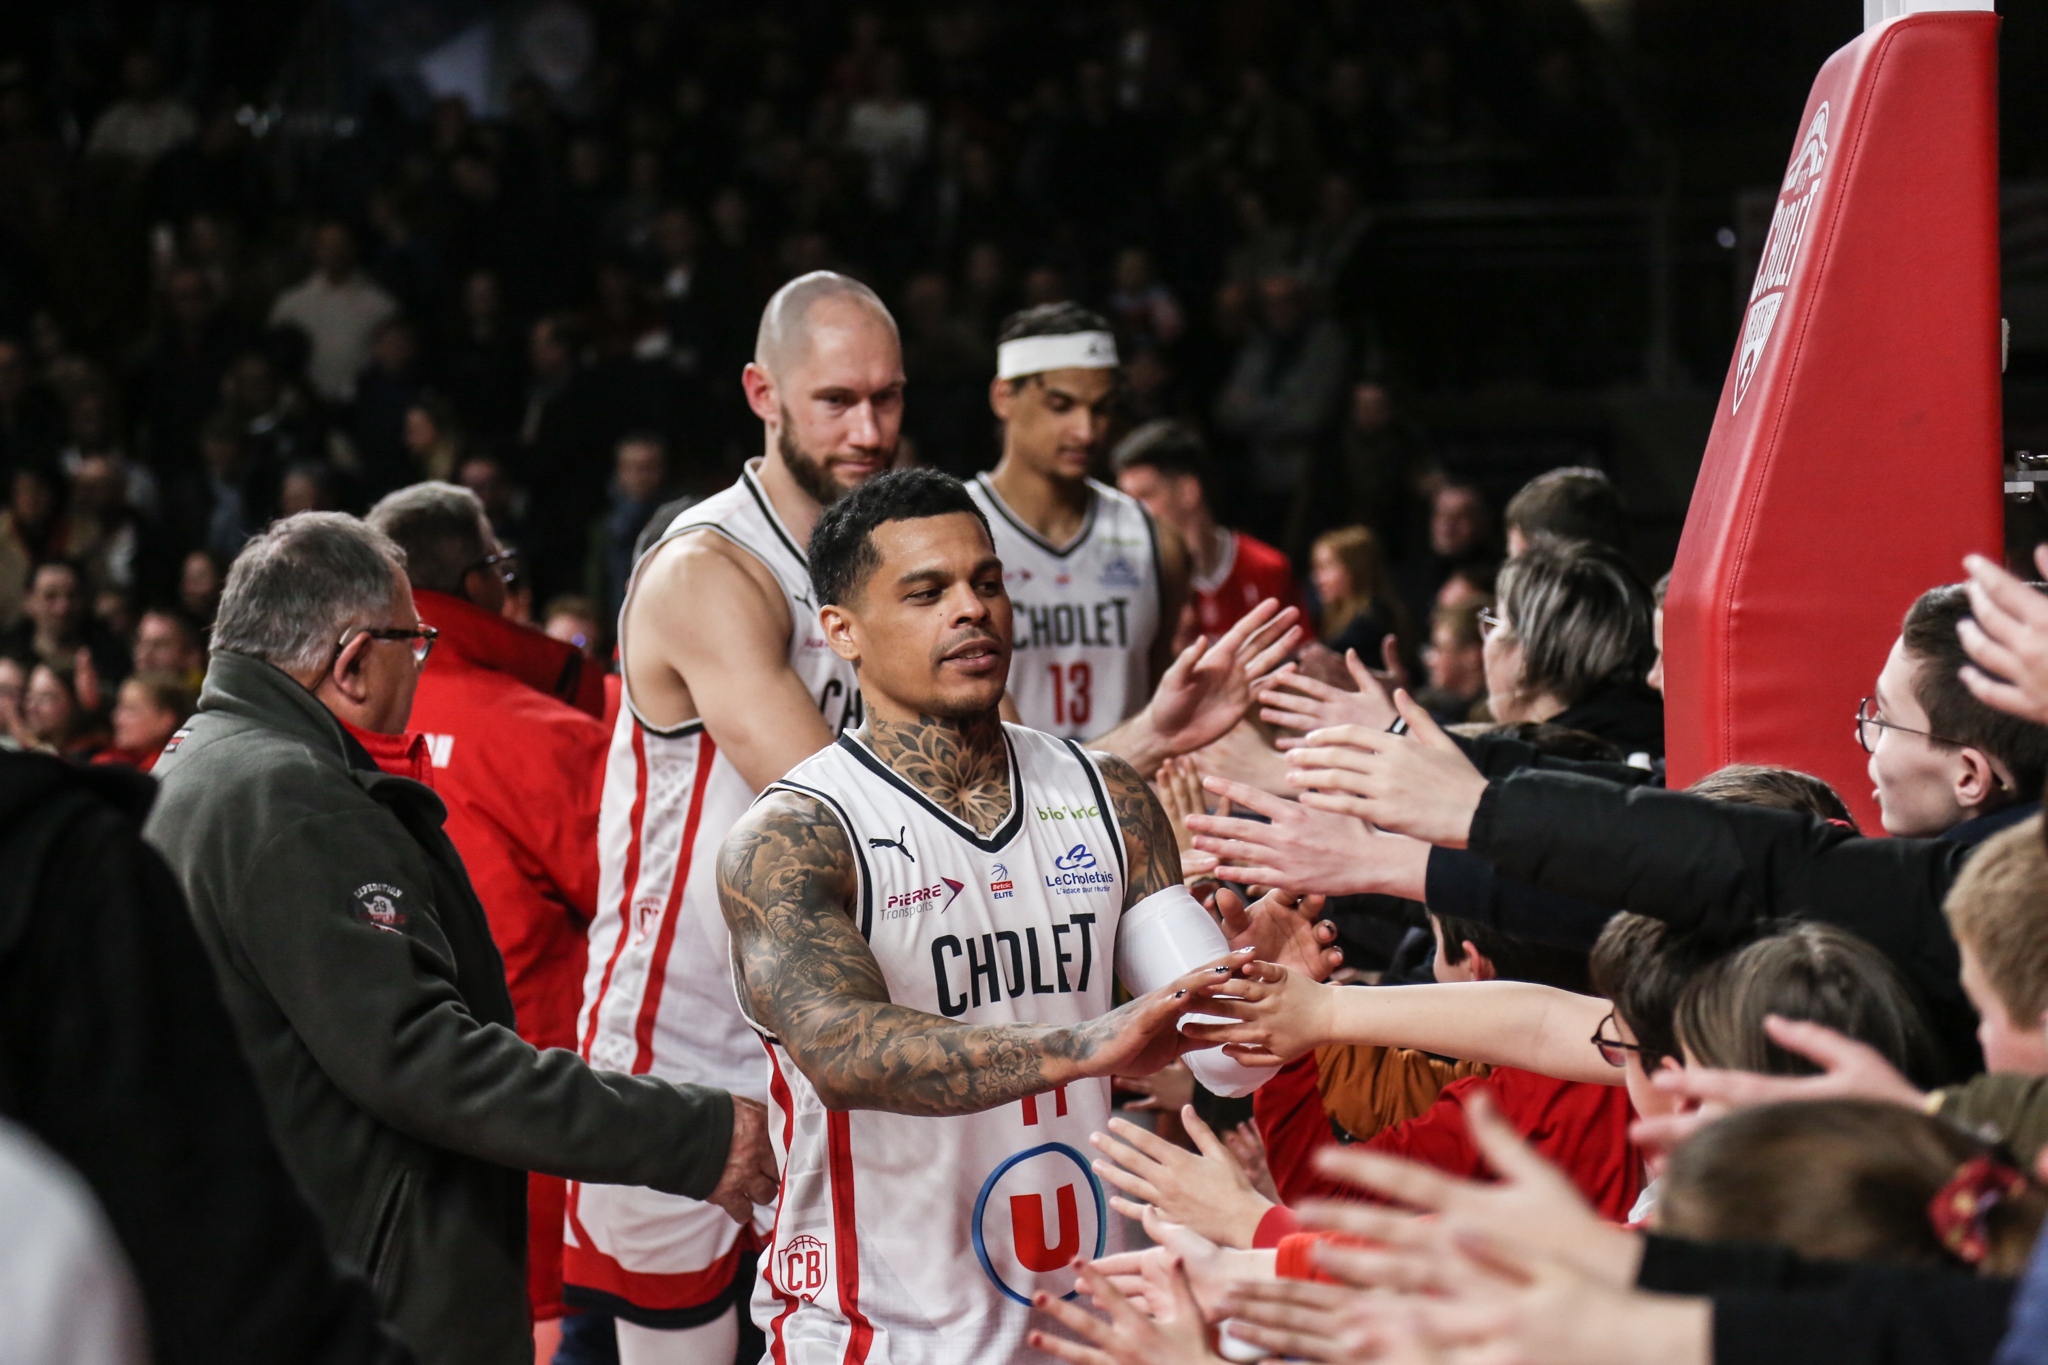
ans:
(1167, 935)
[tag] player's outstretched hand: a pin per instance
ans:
(1282, 927)
(750, 1176)
(2006, 637)
(1532, 1204)
(1419, 784)
(1849, 1071)
(1305, 850)
(1292, 700)
(1205, 1190)
(1129, 1336)
(1276, 1014)
(1142, 1035)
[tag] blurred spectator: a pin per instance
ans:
(639, 485)
(891, 130)
(433, 437)
(562, 440)
(13, 686)
(1455, 661)
(174, 383)
(1143, 307)
(227, 515)
(53, 718)
(483, 365)
(30, 532)
(146, 121)
(148, 709)
(1574, 503)
(168, 644)
(309, 486)
(1356, 594)
(1282, 400)
(385, 393)
(1380, 459)
(57, 624)
(277, 430)
(106, 535)
(1164, 466)
(200, 578)
(950, 365)
(339, 308)
(573, 621)
(484, 475)
(1460, 534)
(31, 420)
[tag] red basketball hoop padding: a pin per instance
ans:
(1855, 454)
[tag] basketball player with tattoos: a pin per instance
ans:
(927, 919)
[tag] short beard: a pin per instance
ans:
(810, 474)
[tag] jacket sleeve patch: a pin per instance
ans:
(381, 906)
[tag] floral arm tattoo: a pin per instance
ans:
(787, 883)
(1153, 853)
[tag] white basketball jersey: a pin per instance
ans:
(658, 993)
(920, 1241)
(1086, 615)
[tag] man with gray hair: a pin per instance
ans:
(358, 967)
(513, 724)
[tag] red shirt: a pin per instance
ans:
(1579, 1127)
(520, 770)
(1251, 572)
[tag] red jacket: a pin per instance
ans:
(521, 770)
(1253, 572)
(1576, 1126)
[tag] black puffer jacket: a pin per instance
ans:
(115, 1051)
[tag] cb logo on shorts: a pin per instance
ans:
(802, 1266)
(1036, 1212)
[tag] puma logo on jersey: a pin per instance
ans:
(898, 843)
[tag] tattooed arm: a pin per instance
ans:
(1150, 849)
(787, 882)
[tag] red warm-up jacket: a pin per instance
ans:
(509, 718)
(1578, 1127)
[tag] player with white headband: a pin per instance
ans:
(1097, 585)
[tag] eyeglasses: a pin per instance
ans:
(505, 564)
(422, 638)
(1489, 622)
(1613, 1051)
(1868, 721)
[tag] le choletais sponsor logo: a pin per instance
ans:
(1068, 812)
(1078, 873)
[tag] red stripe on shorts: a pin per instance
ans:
(845, 1240)
(657, 970)
(632, 883)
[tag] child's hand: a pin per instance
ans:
(1281, 1014)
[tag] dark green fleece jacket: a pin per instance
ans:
(360, 973)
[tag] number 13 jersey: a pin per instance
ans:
(916, 1240)
(1085, 615)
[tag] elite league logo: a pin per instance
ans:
(1794, 215)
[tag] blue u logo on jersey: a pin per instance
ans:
(1036, 1212)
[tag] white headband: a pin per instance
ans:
(1073, 351)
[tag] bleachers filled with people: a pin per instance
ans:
(799, 690)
